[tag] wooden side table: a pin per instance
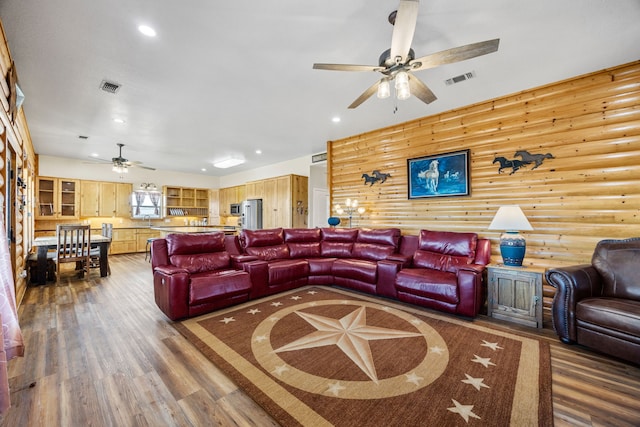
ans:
(515, 294)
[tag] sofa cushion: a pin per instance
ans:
(186, 244)
(288, 270)
(444, 250)
(617, 314)
(268, 253)
(207, 287)
(348, 235)
(304, 250)
(356, 269)
(302, 235)
(203, 262)
(336, 249)
(371, 251)
(432, 284)
(385, 236)
(257, 238)
(617, 263)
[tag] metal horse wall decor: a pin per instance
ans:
(527, 159)
(376, 176)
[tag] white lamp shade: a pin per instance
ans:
(510, 218)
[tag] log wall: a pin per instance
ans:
(589, 191)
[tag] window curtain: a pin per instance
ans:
(139, 200)
(155, 199)
(11, 343)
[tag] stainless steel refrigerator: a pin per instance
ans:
(251, 217)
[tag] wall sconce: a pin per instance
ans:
(351, 207)
(512, 244)
(148, 186)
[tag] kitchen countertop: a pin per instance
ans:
(193, 229)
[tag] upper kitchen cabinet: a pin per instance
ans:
(108, 199)
(57, 198)
(184, 201)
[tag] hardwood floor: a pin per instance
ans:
(99, 352)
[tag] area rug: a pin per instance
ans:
(323, 356)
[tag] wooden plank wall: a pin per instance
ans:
(589, 191)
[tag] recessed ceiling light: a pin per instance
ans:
(94, 154)
(118, 120)
(223, 164)
(258, 151)
(147, 31)
(203, 170)
(336, 119)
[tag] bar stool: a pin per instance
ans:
(148, 248)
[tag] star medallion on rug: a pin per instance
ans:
(324, 356)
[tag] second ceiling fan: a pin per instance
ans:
(398, 62)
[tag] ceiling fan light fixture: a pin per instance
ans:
(402, 86)
(120, 169)
(384, 91)
(228, 163)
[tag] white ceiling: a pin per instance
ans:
(222, 79)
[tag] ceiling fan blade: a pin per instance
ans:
(455, 54)
(403, 30)
(143, 167)
(420, 90)
(365, 95)
(347, 67)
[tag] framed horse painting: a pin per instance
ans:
(441, 175)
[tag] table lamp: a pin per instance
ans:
(511, 219)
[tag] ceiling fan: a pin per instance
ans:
(120, 164)
(398, 62)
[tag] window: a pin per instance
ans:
(146, 204)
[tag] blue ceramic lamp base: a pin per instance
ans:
(512, 248)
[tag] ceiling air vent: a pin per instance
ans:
(460, 78)
(319, 157)
(108, 86)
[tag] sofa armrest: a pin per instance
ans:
(404, 260)
(387, 271)
(169, 269)
(470, 289)
(572, 284)
(171, 291)
(259, 274)
(238, 260)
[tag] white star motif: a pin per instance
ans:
(484, 361)
(415, 321)
(335, 388)
(313, 304)
(276, 304)
(492, 345)
(296, 297)
(260, 338)
(279, 370)
(476, 382)
(351, 334)
(465, 411)
(253, 311)
(413, 378)
(227, 320)
(436, 350)
(312, 292)
(274, 319)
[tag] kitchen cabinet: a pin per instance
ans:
(142, 235)
(57, 198)
(108, 199)
(285, 202)
(186, 201)
(230, 195)
(254, 190)
(123, 241)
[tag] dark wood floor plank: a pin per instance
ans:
(101, 353)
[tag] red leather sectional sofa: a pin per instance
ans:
(198, 273)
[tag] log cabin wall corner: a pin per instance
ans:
(588, 191)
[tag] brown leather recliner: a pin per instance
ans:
(598, 305)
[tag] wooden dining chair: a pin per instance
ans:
(107, 231)
(74, 243)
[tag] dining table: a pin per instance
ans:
(45, 243)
